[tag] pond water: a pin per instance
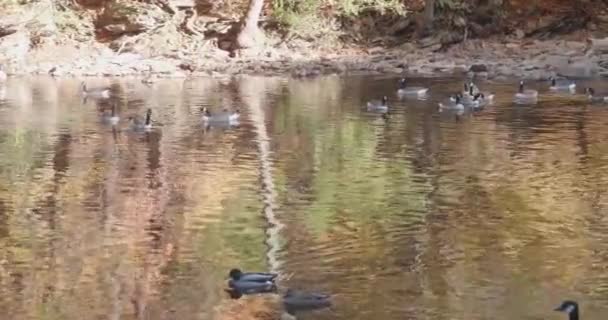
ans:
(497, 214)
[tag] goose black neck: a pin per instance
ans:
(553, 82)
(521, 88)
(471, 90)
(148, 116)
(402, 84)
(573, 315)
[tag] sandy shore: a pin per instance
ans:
(531, 59)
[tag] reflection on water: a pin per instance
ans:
(496, 214)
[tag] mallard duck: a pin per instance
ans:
(238, 275)
(381, 105)
(241, 287)
(562, 84)
(410, 91)
(570, 307)
(137, 125)
(595, 97)
(224, 116)
(525, 94)
(298, 300)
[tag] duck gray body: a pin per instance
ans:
(239, 288)
(103, 92)
(562, 84)
(380, 106)
(406, 90)
(238, 275)
(220, 117)
(596, 97)
(138, 125)
(294, 301)
(525, 95)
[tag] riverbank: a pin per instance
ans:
(493, 58)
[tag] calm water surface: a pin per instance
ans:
(499, 214)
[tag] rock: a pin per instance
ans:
(14, 47)
(556, 61)
(581, 69)
(120, 18)
(478, 68)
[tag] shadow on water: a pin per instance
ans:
(497, 214)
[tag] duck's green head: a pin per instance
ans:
(235, 274)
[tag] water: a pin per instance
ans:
(493, 215)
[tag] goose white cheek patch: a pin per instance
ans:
(569, 309)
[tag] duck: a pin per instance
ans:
(381, 105)
(562, 84)
(137, 125)
(478, 101)
(113, 118)
(474, 89)
(454, 103)
(299, 300)
(238, 275)
(241, 287)
(94, 92)
(466, 89)
(525, 94)
(224, 116)
(414, 91)
(3, 75)
(570, 307)
(593, 97)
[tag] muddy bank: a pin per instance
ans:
(523, 59)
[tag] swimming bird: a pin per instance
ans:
(238, 275)
(299, 300)
(594, 97)
(562, 84)
(137, 125)
(474, 89)
(570, 307)
(410, 91)
(241, 287)
(94, 92)
(381, 105)
(525, 94)
(454, 103)
(223, 116)
(113, 118)
(478, 101)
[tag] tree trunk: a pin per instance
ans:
(250, 35)
(429, 14)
